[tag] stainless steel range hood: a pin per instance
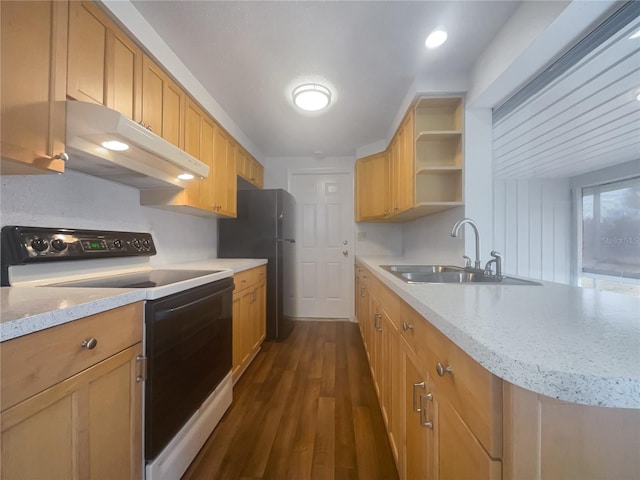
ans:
(150, 162)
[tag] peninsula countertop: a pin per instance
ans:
(25, 310)
(574, 344)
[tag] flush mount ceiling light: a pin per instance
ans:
(436, 38)
(115, 145)
(311, 97)
(185, 176)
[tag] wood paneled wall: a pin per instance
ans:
(532, 227)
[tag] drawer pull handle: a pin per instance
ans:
(90, 343)
(407, 326)
(423, 411)
(442, 370)
(415, 402)
(376, 322)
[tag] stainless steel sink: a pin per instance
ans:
(449, 274)
(399, 269)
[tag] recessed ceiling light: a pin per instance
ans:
(635, 35)
(311, 97)
(185, 176)
(115, 145)
(436, 38)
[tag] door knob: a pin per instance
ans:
(346, 242)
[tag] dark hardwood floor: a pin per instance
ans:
(305, 409)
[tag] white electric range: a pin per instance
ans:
(187, 324)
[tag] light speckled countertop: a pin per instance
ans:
(574, 344)
(22, 312)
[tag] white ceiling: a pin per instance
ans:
(586, 119)
(249, 55)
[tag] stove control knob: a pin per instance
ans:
(146, 243)
(58, 244)
(38, 244)
(118, 243)
(136, 243)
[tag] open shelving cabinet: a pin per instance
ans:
(439, 159)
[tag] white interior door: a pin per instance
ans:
(324, 244)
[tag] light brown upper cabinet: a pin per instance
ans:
(372, 187)
(198, 142)
(209, 143)
(33, 70)
(198, 197)
(105, 66)
(402, 167)
(162, 103)
(249, 168)
(426, 162)
(224, 174)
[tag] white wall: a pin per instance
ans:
(478, 177)
(536, 35)
(76, 200)
(532, 227)
(621, 171)
(278, 169)
(379, 239)
(429, 241)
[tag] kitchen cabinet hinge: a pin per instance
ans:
(141, 368)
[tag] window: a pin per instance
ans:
(611, 237)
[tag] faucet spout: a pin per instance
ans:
(455, 231)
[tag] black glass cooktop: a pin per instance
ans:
(146, 279)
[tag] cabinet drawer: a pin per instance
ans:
(243, 280)
(460, 453)
(473, 391)
(249, 278)
(34, 362)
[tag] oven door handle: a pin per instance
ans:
(162, 313)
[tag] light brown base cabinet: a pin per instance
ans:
(449, 418)
(438, 427)
(249, 317)
(70, 412)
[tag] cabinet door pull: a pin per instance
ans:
(89, 343)
(407, 326)
(441, 370)
(423, 411)
(376, 322)
(141, 368)
(415, 402)
(62, 156)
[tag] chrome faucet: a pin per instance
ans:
(454, 233)
(497, 259)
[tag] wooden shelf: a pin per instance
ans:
(439, 186)
(437, 169)
(439, 114)
(438, 155)
(427, 135)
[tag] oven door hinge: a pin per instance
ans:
(141, 368)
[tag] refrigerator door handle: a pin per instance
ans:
(290, 240)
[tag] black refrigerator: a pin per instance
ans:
(265, 228)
